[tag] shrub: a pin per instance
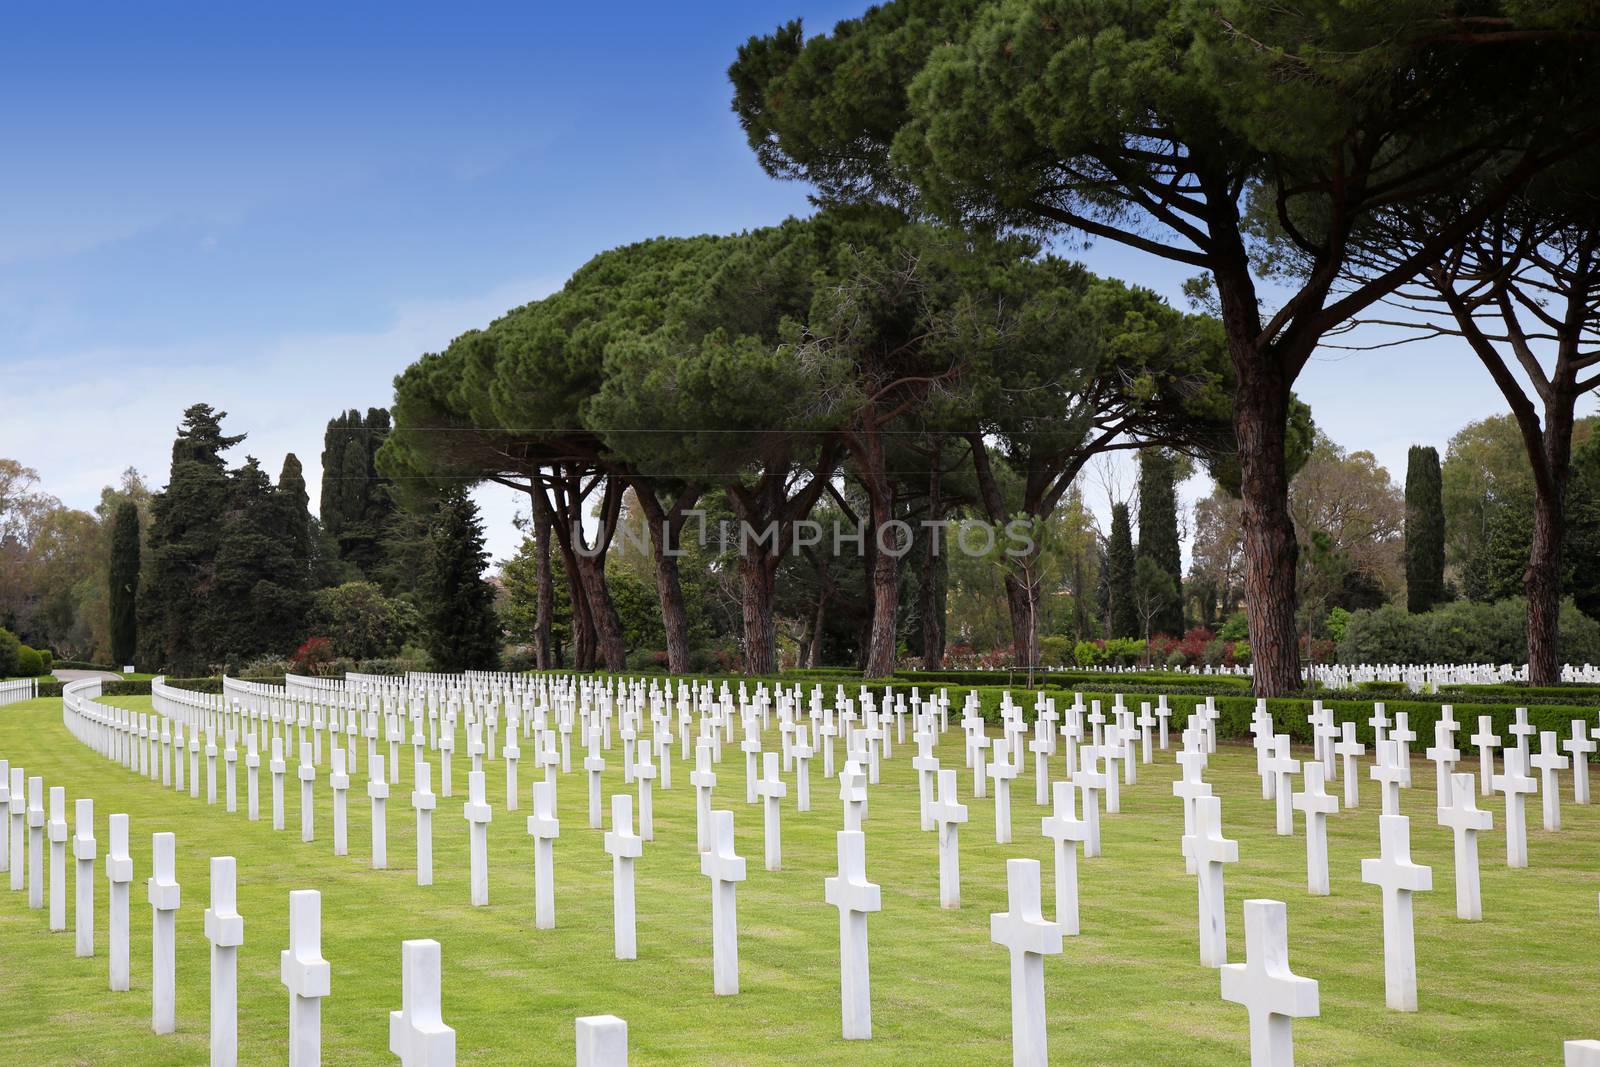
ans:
(1235, 628)
(49, 659)
(28, 662)
(1089, 653)
(315, 656)
(1056, 651)
(9, 648)
(1461, 632)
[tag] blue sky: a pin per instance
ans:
(276, 210)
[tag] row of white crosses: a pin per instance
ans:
(1114, 740)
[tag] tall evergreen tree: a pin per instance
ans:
(458, 605)
(123, 583)
(185, 530)
(294, 504)
(1424, 529)
(356, 502)
(1158, 532)
(1123, 614)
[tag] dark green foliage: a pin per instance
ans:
(123, 583)
(460, 627)
(360, 622)
(1461, 632)
(10, 649)
(356, 501)
(1123, 614)
(185, 530)
(229, 565)
(1424, 529)
(1158, 531)
(29, 664)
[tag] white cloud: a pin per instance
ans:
(82, 418)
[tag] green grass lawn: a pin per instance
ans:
(1507, 990)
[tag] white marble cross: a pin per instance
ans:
(1464, 816)
(751, 746)
(1522, 730)
(1578, 746)
(856, 898)
(307, 977)
(771, 789)
(1379, 723)
(1317, 805)
(802, 752)
(225, 930)
(1516, 785)
(1283, 767)
(544, 828)
(339, 782)
(1580, 1054)
(1403, 735)
(1090, 780)
(1274, 995)
(164, 897)
(704, 779)
(624, 846)
(1395, 874)
(726, 871)
(478, 814)
(644, 774)
(56, 830)
(1389, 775)
(853, 794)
(277, 768)
(417, 1032)
(1030, 937)
(83, 852)
(378, 791)
(1065, 829)
(5, 816)
(1350, 750)
(594, 765)
(1002, 771)
(511, 752)
(1188, 789)
(948, 815)
(36, 821)
(1549, 762)
(602, 1041)
(308, 777)
(230, 773)
(1444, 755)
(119, 876)
(1487, 741)
(1211, 850)
(424, 802)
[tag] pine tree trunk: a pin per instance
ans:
(612, 649)
(544, 603)
(1260, 422)
(883, 566)
(1021, 601)
(760, 637)
(669, 588)
(929, 605)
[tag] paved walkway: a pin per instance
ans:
(78, 676)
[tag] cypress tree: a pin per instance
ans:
(356, 502)
(462, 630)
(123, 583)
(295, 505)
(186, 526)
(1124, 615)
(1158, 531)
(1424, 529)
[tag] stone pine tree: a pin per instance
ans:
(1158, 533)
(123, 583)
(1196, 133)
(457, 604)
(1424, 529)
(1123, 613)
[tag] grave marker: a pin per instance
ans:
(164, 896)
(1274, 995)
(119, 875)
(417, 1032)
(1395, 874)
(544, 828)
(307, 976)
(726, 871)
(1463, 816)
(225, 930)
(1023, 929)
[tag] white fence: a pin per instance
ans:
(18, 689)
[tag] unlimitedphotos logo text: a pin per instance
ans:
(974, 538)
